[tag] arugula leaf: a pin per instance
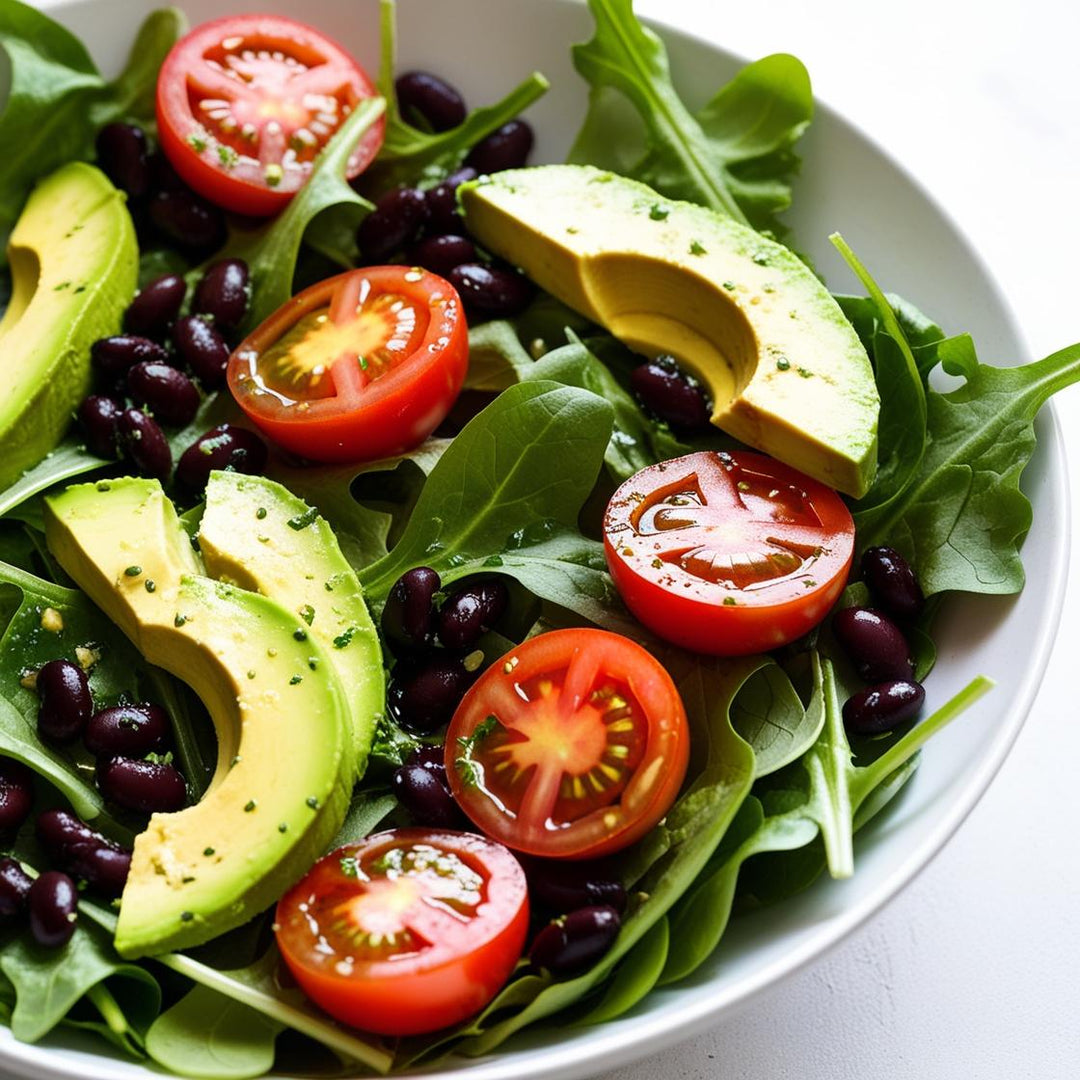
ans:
(204, 1036)
(410, 156)
(57, 99)
(734, 156)
(271, 250)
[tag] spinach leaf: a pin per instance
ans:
(634, 977)
(49, 623)
(205, 1036)
(68, 460)
(515, 476)
(497, 359)
(410, 156)
(48, 983)
(57, 99)
(734, 156)
(271, 249)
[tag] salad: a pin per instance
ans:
(439, 591)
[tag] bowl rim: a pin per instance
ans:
(617, 1047)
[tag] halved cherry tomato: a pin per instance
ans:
(245, 103)
(728, 553)
(572, 745)
(357, 367)
(407, 931)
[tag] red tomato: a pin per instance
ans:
(245, 103)
(572, 745)
(407, 931)
(357, 367)
(728, 553)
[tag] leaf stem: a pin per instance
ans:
(110, 1011)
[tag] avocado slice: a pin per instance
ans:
(286, 762)
(260, 536)
(74, 261)
(786, 371)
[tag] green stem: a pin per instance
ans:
(110, 1011)
(833, 761)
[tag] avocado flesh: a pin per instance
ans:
(245, 537)
(74, 261)
(286, 762)
(785, 370)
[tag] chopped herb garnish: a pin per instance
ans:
(132, 571)
(302, 521)
(249, 806)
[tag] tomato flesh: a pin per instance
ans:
(357, 367)
(728, 553)
(407, 931)
(245, 103)
(573, 745)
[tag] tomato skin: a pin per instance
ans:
(244, 189)
(390, 414)
(645, 737)
(460, 970)
(782, 517)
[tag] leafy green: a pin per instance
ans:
(734, 156)
(635, 976)
(204, 1036)
(497, 359)
(68, 460)
(57, 100)
(410, 156)
(271, 250)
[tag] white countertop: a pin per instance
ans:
(972, 971)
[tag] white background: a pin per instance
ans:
(973, 972)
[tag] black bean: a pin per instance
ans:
(440, 254)
(396, 221)
(875, 644)
(882, 707)
(97, 417)
(671, 395)
(507, 148)
(408, 617)
(892, 582)
(423, 694)
(66, 704)
(146, 786)
(130, 730)
(562, 887)
(54, 907)
(430, 756)
(82, 852)
(114, 356)
(491, 291)
(163, 177)
(16, 795)
(223, 293)
(169, 394)
(443, 215)
(222, 447)
(121, 152)
(436, 101)
(15, 885)
(187, 220)
(426, 796)
(203, 349)
(470, 612)
(143, 441)
(155, 307)
(577, 941)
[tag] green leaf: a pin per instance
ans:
(271, 250)
(203, 1035)
(68, 460)
(497, 359)
(634, 977)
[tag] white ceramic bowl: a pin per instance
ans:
(848, 183)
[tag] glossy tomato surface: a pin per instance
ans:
(728, 553)
(407, 931)
(357, 367)
(572, 745)
(245, 103)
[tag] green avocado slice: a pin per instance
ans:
(785, 369)
(257, 534)
(74, 261)
(286, 758)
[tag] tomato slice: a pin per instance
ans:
(572, 745)
(358, 367)
(407, 931)
(246, 102)
(728, 553)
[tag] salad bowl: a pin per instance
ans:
(849, 184)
